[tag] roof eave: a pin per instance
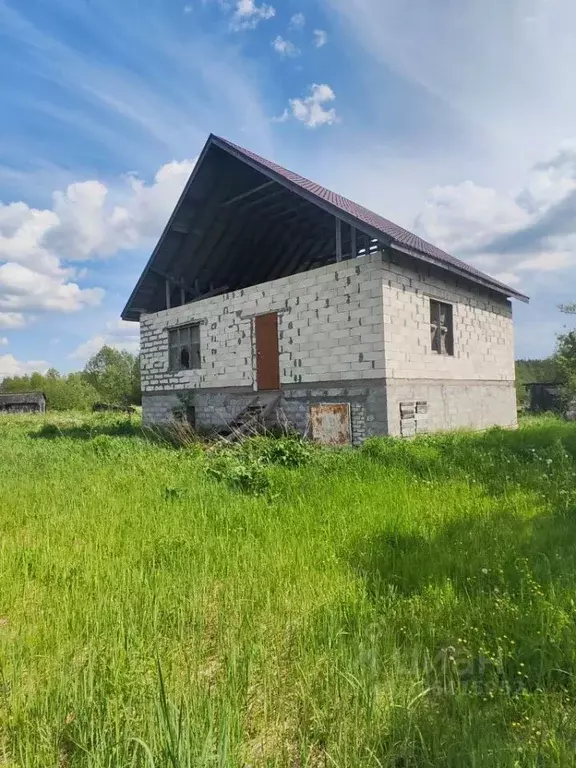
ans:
(486, 282)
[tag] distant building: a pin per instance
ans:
(22, 402)
(267, 287)
(544, 396)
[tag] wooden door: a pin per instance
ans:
(267, 352)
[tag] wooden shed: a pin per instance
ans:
(22, 402)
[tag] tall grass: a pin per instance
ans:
(406, 604)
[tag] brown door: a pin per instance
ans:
(267, 353)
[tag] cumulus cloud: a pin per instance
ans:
(10, 366)
(3, 341)
(285, 48)
(320, 38)
(247, 14)
(94, 221)
(87, 220)
(525, 230)
(117, 333)
(23, 289)
(297, 21)
(311, 110)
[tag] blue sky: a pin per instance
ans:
(456, 120)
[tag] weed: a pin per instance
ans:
(240, 473)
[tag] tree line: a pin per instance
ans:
(559, 368)
(111, 376)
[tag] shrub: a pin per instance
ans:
(286, 451)
(239, 473)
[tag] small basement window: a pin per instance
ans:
(441, 327)
(184, 348)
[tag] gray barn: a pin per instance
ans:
(22, 402)
(267, 287)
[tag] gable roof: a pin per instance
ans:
(374, 225)
(22, 398)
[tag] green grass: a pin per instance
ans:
(408, 604)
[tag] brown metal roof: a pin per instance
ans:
(244, 220)
(363, 215)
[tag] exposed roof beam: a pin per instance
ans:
(248, 194)
(172, 279)
(338, 240)
(267, 198)
(191, 256)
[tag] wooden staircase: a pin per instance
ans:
(254, 419)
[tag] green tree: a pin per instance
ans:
(115, 375)
(71, 392)
(565, 357)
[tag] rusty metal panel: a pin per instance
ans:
(331, 423)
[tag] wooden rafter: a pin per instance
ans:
(249, 193)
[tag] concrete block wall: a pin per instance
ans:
(474, 388)
(330, 328)
(483, 329)
(356, 332)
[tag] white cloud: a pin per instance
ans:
(117, 333)
(12, 320)
(94, 221)
(311, 110)
(10, 366)
(465, 216)
(22, 289)
(3, 341)
(531, 229)
(297, 21)
(248, 14)
(320, 38)
(285, 48)
(88, 220)
(188, 9)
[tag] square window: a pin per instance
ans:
(184, 348)
(441, 327)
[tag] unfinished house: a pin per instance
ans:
(22, 402)
(268, 290)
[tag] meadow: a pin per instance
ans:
(406, 604)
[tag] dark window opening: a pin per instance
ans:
(191, 416)
(184, 348)
(441, 328)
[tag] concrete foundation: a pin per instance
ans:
(215, 408)
(376, 408)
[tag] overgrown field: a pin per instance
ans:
(408, 604)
